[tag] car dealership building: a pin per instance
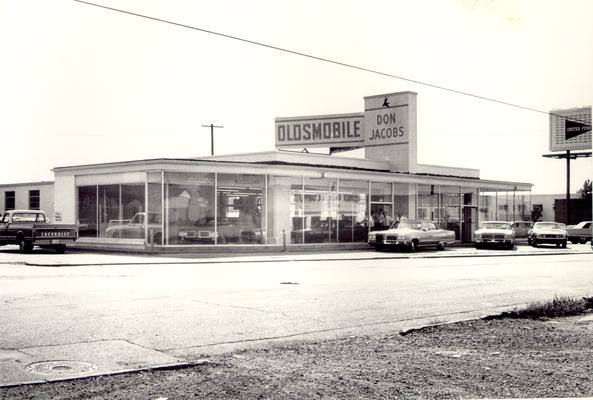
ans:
(283, 197)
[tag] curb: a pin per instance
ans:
(230, 260)
(162, 367)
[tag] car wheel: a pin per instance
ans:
(534, 242)
(583, 241)
(60, 248)
(478, 246)
(413, 246)
(441, 246)
(511, 246)
(157, 239)
(24, 246)
(563, 244)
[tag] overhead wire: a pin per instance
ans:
(327, 60)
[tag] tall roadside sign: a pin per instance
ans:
(570, 130)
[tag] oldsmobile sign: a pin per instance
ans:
(337, 130)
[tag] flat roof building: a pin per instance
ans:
(286, 197)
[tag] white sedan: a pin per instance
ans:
(411, 235)
(495, 233)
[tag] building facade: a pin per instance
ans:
(281, 197)
(271, 198)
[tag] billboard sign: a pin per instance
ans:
(338, 130)
(570, 129)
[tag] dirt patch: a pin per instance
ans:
(474, 359)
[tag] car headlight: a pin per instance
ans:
(478, 236)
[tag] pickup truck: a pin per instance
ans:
(579, 233)
(29, 228)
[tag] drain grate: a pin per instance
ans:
(61, 367)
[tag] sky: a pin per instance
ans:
(81, 84)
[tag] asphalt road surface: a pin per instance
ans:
(119, 312)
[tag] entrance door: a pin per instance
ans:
(469, 224)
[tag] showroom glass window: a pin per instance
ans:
(321, 209)
(240, 208)
(404, 201)
(522, 208)
(469, 213)
(154, 208)
(428, 203)
(9, 200)
(114, 211)
(505, 206)
(87, 211)
(34, 200)
(353, 215)
(487, 206)
(450, 209)
(381, 205)
(190, 208)
(285, 209)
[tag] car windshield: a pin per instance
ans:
(496, 225)
(28, 217)
(549, 225)
(406, 225)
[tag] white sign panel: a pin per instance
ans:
(386, 120)
(339, 130)
(570, 129)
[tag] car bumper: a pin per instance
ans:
(394, 243)
(495, 242)
(549, 240)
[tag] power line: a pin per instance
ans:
(323, 59)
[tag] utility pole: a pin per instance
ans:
(212, 126)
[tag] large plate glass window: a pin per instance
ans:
(189, 208)
(320, 210)
(109, 219)
(285, 209)
(505, 206)
(428, 203)
(450, 209)
(240, 208)
(522, 208)
(404, 201)
(154, 209)
(488, 206)
(381, 205)
(353, 214)
(87, 211)
(121, 211)
(469, 213)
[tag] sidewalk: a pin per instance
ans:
(10, 254)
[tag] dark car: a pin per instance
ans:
(547, 233)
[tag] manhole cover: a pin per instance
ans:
(61, 367)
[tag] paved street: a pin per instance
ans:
(122, 312)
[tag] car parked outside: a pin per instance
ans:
(547, 233)
(580, 233)
(495, 233)
(410, 235)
